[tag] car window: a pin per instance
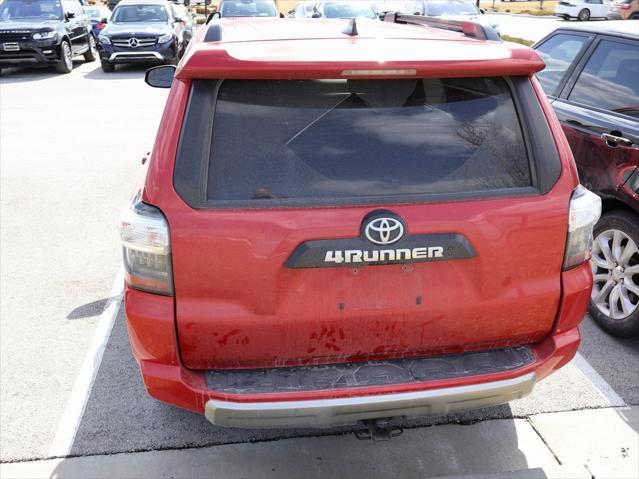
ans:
(92, 12)
(139, 13)
(77, 8)
(610, 79)
(437, 9)
(348, 10)
(24, 9)
(363, 138)
(244, 8)
(180, 12)
(558, 52)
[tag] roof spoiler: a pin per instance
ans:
(467, 27)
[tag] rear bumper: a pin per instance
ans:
(150, 321)
(345, 411)
(563, 11)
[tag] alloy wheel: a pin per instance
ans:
(66, 55)
(615, 268)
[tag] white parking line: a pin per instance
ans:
(597, 381)
(70, 420)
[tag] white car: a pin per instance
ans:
(582, 9)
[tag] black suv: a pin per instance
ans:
(592, 80)
(45, 32)
(141, 31)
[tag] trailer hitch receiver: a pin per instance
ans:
(379, 430)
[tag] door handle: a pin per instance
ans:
(614, 140)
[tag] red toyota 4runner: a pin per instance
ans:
(347, 223)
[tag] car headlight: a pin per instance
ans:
(167, 37)
(104, 39)
(44, 35)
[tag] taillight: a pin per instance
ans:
(625, 6)
(146, 248)
(585, 210)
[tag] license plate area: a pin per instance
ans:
(367, 288)
(11, 47)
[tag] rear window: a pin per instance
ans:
(364, 138)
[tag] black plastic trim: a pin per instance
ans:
(195, 142)
(312, 254)
(546, 160)
(366, 374)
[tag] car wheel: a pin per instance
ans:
(65, 65)
(614, 302)
(583, 15)
(107, 67)
(92, 53)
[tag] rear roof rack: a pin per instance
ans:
(467, 27)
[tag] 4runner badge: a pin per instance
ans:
(379, 230)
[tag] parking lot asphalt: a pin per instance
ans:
(70, 160)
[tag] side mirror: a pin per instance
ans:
(70, 15)
(207, 2)
(160, 77)
(104, 20)
(187, 3)
(316, 15)
(178, 20)
(282, 15)
(482, 10)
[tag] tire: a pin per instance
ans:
(107, 67)
(634, 16)
(91, 54)
(583, 15)
(614, 303)
(65, 65)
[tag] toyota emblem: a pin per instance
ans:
(134, 42)
(384, 230)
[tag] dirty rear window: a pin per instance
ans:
(364, 138)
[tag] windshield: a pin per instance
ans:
(437, 9)
(44, 9)
(243, 8)
(348, 10)
(390, 6)
(96, 13)
(139, 14)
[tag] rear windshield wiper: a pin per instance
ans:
(318, 118)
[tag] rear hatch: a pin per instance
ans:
(355, 219)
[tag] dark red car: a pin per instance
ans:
(592, 80)
(347, 223)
